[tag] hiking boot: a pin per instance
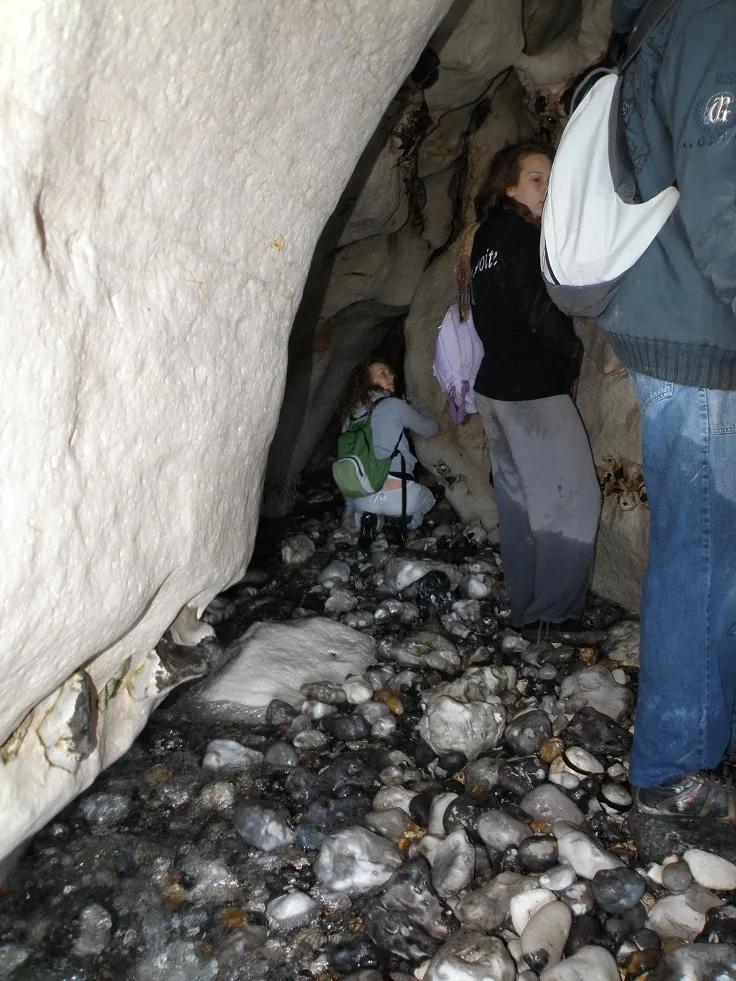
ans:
(705, 793)
(368, 526)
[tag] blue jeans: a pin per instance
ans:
(687, 680)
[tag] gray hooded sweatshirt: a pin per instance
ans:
(674, 316)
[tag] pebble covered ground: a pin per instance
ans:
(458, 812)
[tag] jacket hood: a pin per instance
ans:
(624, 14)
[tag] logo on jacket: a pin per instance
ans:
(719, 109)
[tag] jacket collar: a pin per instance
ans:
(624, 14)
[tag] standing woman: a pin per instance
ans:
(543, 472)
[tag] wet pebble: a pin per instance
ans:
(292, 910)
(527, 731)
(677, 877)
(105, 809)
(355, 860)
(279, 713)
(453, 866)
(544, 937)
(282, 756)
(497, 830)
(618, 890)
(347, 728)
(549, 804)
(310, 739)
(263, 824)
(710, 870)
(538, 853)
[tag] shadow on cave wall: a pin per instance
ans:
(328, 338)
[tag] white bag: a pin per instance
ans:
(458, 352)
(592, 233)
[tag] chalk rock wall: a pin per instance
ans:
(166, 170)
(387, 255)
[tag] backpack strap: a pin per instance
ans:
(623, 172)
(648, 20)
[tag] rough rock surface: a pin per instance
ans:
(158, 222)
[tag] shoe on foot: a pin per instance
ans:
(703, 794)
(368, 528)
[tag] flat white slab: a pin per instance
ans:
(276, 658)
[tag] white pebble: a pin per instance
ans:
(711, 871)
(524, 905)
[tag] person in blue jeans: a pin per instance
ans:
(673, 325)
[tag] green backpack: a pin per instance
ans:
(357, 472)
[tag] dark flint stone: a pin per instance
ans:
(486, 800)
(585, 930)
(452, 762)
(522, 776)
(537, 959)
(720, 926)
(314, 600)
(346, 772)
(646, 939)
(409, 920)
(657, 837)
(510, 861)
(280, 713)
(409, 891)
(433, 593)
(592, 783)
(346, 728)
(308, 837)
(462, 813)
(597, 733)
(601, 617)
(302, 785)
(537, 853)
(394, 931)
(621, 927)
(453, 787)
(635, 918)
(699, 962)
(420, 805)
(618, 890)
(161, 742)
(409, 721)
(608, 831)
(557, 656)
(332, 814)
(526, 734)
(354, 955)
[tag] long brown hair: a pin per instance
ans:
(358, 390)
(504, 172)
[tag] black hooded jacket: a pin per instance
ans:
(531, 349)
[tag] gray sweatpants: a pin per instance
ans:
(549, 504)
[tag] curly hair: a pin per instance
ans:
(357, 391)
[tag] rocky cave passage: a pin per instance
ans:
(457, 807)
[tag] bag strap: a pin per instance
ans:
(652, 14)
(623, 172)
